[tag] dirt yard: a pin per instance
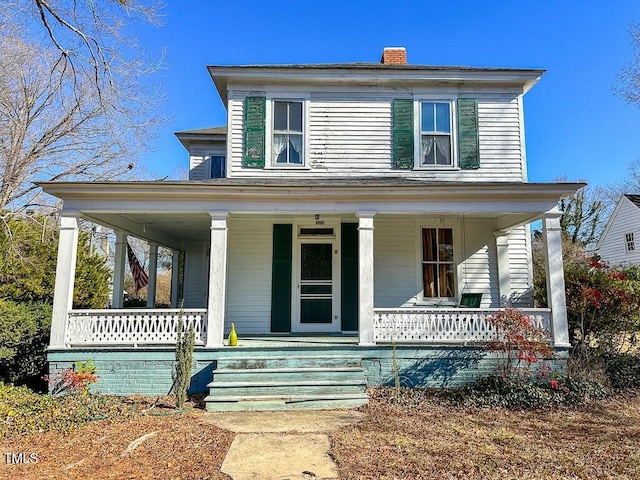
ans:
(431, 441)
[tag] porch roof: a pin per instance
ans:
(173, 212)
(351, 186)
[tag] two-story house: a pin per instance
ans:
(343, 210)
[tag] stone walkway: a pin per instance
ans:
(282, 445)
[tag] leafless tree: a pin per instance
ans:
(93, 38)
(629, 77)
(76, 100)
(52, 126)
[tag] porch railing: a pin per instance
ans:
(133, 326)
(451, 325)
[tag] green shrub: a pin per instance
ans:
(518, 393)
(623, 370)
(23, 411)
(24, 336)
(28, 253)
(185, 344)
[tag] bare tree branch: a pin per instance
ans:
(53, 126)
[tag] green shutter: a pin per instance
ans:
(349, 277)
(281, 278)
(403, 134)
(468, 146)
(255, 111)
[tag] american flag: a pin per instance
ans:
(140, 278)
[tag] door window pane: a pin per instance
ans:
(316, 261)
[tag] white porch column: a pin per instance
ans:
(556, 299)
(175, 267)
(504, 274)
(153, 275)
(118, 269)
(65, 278)
(217, 279)
(365, 277)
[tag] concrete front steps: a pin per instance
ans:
(292, 382)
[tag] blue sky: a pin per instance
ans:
(575, 126)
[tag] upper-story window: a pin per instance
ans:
(218, 166)
(629, 242)
(287, 147)
(435, 134)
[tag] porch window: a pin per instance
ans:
(288, 138)
(438, 276)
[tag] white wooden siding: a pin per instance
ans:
(198, 167)
(249, 275)
(625, 219)
(196, 279)
(398, 275)
(520, 267)
(350, 134)
(394, 262)
(478, 269)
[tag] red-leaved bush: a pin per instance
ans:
(521, 343)
(73, 380)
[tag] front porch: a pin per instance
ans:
(332, 286)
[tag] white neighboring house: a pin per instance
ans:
(619, 243)
(356, 201)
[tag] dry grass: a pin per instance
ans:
(185, 447)
(428, 440)
(436, 441)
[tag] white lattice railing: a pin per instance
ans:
(132, 326)
(451, 325)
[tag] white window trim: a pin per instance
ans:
(417, 133)
(274, 97)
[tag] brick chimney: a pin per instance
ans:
(394, 56)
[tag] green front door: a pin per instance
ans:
(316, 285)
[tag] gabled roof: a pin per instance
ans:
(635, 199)
(211, 134)
(205, 131)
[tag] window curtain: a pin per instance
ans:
(295, 145)
(279, 144)
(436, 150)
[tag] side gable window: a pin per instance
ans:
(629, 241)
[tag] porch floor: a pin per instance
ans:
(297, 341)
